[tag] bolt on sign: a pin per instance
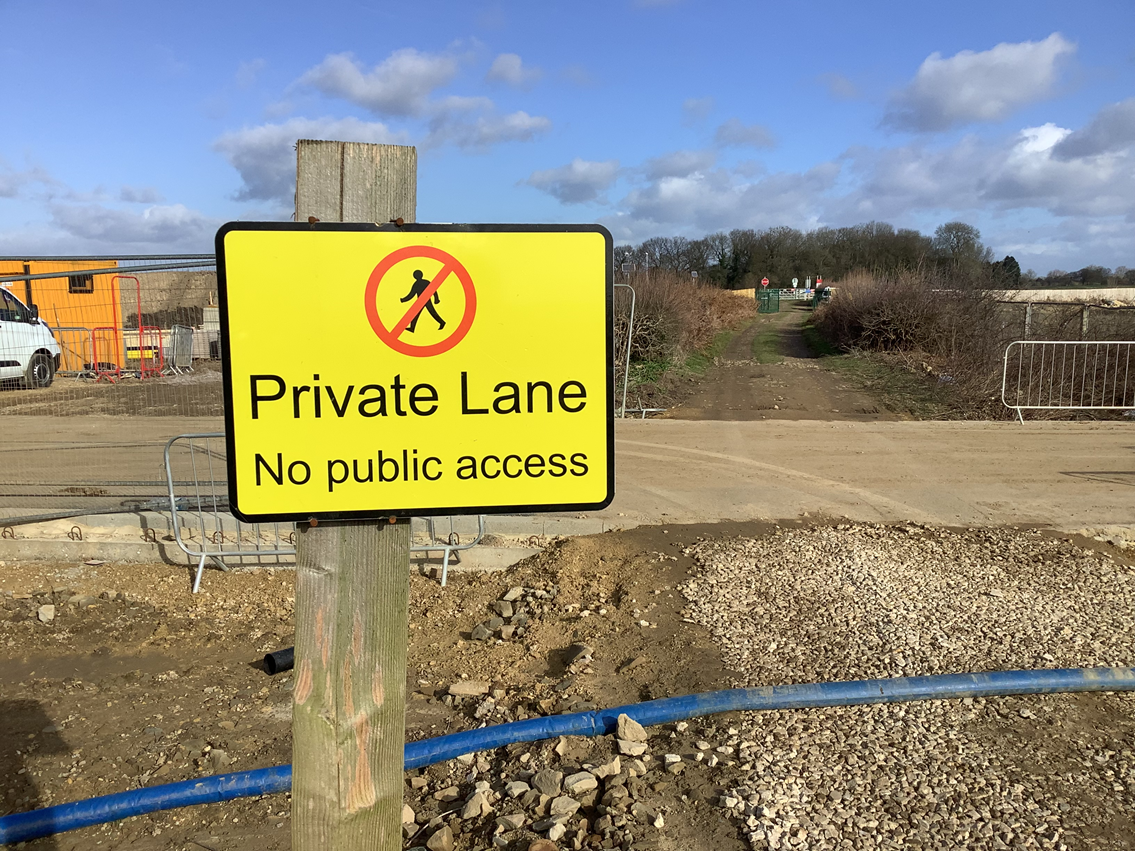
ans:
(375, 370)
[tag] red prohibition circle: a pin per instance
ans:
(450, 265)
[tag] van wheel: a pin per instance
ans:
(41, 372)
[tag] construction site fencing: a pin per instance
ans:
(1069, 375)
(1072, 321)
(206, 531)
(203, 527)
(623, 344)
(622, 336)
(102, 360)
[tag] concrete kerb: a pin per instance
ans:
(146, 537)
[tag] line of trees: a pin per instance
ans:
(1121, 276)
(740, 258)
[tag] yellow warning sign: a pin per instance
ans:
(373, 370)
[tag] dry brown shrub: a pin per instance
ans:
(674, 315)
(954, 334)
(674, 318)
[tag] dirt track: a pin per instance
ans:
(144, 684)
(795, 388)
(135, 682)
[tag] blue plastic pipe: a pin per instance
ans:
(22, 827)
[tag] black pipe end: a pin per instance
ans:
(280, 660)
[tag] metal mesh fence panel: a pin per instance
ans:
(102, 359)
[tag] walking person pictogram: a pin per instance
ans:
(423, 295)
(416, 289)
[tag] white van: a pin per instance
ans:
(28, 351)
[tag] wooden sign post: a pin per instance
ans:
(375, 367)
(352, 583)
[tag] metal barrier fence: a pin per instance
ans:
(1068, 375)
(205, 529)
(622, 351)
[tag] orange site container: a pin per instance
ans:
(72, 305)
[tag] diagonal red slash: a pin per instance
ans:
(420, 303)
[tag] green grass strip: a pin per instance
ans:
(765, 345)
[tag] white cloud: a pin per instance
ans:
(719, 200)
(60, 219)
(1029, 200)
(838, 86)
(1111, 131)
(577, 182)
(985, 86)
(265, 155)
(13, 181)
(1066, 243)
(577, 75)
(140, 195)
(509, 68)
(154, 228)
(1032, 175)
(487, 130)
(891, 182)
(1036, 140)
(247, 73)
(400, 85)
(1020, 173)
(696, 109)
(750, 169)
(735, 133)
(679, 164)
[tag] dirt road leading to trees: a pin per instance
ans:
(789, 386)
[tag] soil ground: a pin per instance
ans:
(193, 394)
(137, 682)
(141, 681)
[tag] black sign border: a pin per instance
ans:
(424, 228)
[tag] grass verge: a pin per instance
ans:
(890, 380)
(765, 346)
(700, 361)
(660, 383)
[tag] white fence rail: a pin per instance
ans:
(1068, 375)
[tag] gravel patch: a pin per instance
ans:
(860, 601)
(851, 602)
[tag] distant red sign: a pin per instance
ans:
(764, 282)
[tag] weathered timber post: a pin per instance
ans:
(352, 583)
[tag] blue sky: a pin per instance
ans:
(141, 127)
